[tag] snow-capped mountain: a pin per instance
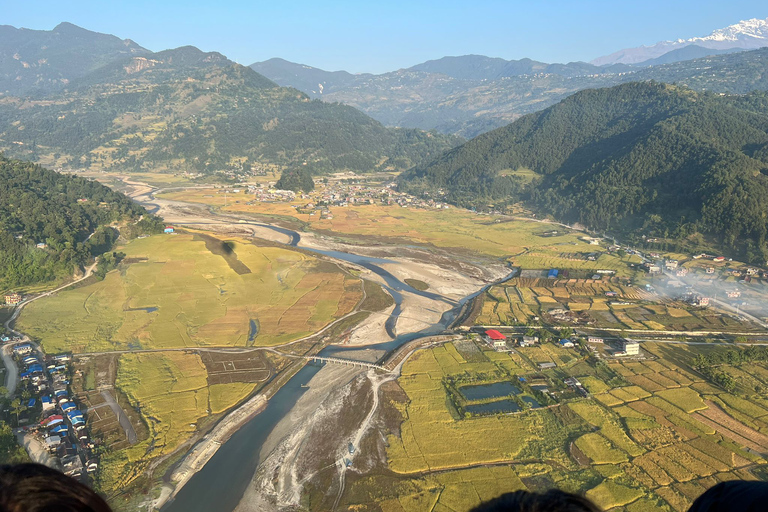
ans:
(747, 35)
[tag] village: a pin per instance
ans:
(50, 422)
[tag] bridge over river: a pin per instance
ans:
(348, 362)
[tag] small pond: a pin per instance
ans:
(501, 406)
(532, 401)
(150, 309)
(484, 391)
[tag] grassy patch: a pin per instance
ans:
(186, 291)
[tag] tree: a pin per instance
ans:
(296, 179)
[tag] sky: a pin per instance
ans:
(378, 36)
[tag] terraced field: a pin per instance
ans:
(653, 435)
(606, 302)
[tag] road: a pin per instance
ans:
(121, 417)
(12, 371)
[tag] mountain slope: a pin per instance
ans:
(47, 60)
(745, 35)
(639, 155)
(184, 109)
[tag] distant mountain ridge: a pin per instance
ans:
(745, 35)
(415, 98)
(45, 60)
(480, 67)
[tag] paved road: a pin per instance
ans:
(122, 418)
(12, 371)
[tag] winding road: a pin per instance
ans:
(12, 371)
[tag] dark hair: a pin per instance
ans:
(37, 488)
(551, 501)
(734, 495)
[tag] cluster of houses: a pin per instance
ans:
(576, 385)
(694, 299)
(339, 193)
(501, 343)
(52, 415)
(12, 299)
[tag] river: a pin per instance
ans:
(221, 483)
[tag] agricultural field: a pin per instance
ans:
(194, 290)
(177, 395)
(526, 300)
(518, 241)
(652, 435)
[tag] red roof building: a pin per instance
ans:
(495, 335)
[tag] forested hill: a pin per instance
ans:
(644, 157)
(60, 212)
(186, 110)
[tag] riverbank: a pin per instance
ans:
(309, 436)
(298, 445)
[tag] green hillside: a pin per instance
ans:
(187, 110)
(66, 215)
(642, 157)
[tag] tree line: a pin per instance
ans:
(51, 223)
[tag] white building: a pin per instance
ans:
(631, 348)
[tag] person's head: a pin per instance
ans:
(551, 501)
(734, 495)
(37, 488)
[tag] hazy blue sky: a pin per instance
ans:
(370, 36)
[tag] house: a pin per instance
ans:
(670, 264)
(492, 336)
(566, 343)
(52, 443)
(710, 270)
(48, 404)
(528, 341)
(651, 268)
(168, 229)
(572, 382)
(719, 259)
(595, 339)
(544, 366)
(552, 274)
(23, 349)
(499, 344)
(733, 294)
(631, 348)
(12, 299)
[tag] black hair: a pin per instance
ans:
(37, 488)
(551, 501)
